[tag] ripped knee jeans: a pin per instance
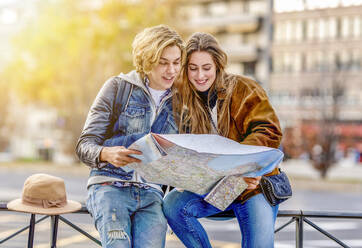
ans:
(128, 217)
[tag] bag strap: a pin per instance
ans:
(123, 94)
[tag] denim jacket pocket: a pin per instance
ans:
(134, 112)
(132, 120)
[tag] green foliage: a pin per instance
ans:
(65, 55)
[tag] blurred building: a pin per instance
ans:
(308, 58)
(317, 71)
(241, 26)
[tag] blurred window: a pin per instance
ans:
(218, 9)
(322, 29)
(303, 62)
(337, 61)
(308, 62)
(258, 6)
(311, 29)
(283, 97)
(288, 31)
(345, 27)
(316, 29)
(277, 32)
(345, 60)
(339, 28)
(298, 30)
(297, 63)
(288, 62)
(357, 27)
(273, 62)
(332, 28)
(356, 60)
(277, 63)
(311, 61)
(319, 61)
(282, 31)
(324, 61)
(330, 56)
(304, 29)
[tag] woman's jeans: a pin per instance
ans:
(128, 216)
(256, 219)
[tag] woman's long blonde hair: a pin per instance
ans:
(190, 112)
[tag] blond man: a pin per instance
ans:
(127, 210)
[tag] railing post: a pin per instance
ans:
(31, 231)
(299, 231)
(54, 230)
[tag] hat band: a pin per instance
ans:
(44, 203)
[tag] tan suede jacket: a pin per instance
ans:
(253, 121)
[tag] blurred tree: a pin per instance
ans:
(72, 47)
(321, 143)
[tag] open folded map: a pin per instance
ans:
(206, 164)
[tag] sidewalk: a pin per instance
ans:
(302, 168)
(339, 178)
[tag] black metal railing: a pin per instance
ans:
(298, 216)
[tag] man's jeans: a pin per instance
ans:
(128, 217)
(256, 219)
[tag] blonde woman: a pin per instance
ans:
(209, 100)
(127, 210)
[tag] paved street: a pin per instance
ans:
(309, 194)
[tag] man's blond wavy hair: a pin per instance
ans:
(149, 44)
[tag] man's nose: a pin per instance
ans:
(171, 69)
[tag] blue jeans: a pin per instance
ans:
(256, 219)
(128, 217)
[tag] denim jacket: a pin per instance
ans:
(103, 128)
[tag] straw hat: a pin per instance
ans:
(44, 194)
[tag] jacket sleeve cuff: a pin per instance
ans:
(98, 162)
